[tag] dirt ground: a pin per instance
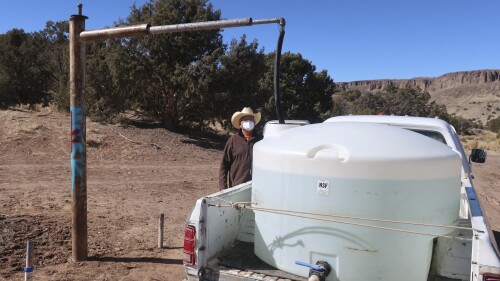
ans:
(134, 173)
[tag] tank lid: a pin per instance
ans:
(361, 145)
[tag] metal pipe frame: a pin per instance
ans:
(77, 38)
(146, 29)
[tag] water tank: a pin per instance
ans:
(359, 170)
(273, 127)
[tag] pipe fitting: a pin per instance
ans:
(313, 278)
(321, 273)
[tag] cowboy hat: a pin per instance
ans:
(247, 111)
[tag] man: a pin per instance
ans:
(236, 165)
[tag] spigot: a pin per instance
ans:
(318, 271)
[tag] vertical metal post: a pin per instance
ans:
(78, 136)
(160, 231)
(28, 270)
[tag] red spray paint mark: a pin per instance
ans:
(71, 131)
(75, 134)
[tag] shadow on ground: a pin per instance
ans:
(136, 259)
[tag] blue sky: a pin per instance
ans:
(352, 39)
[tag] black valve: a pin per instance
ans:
(322, 270)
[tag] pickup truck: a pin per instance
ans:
(226, 236)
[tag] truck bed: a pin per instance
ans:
(230, 234)
(240, 263)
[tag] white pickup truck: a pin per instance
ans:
(352, 198)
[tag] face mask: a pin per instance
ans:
(247, 125)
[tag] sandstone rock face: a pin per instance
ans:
(378, 85)
(470, 94)
(467, 78)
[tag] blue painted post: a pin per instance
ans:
(78, 136)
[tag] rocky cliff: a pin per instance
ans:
(471, 94)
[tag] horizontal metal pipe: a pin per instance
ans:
(266, 21)
(115, 32)
(145, 29)
(195, 26)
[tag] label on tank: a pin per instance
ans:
(323, 187)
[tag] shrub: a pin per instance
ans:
(494, 125)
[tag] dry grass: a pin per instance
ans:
(94, 138)
(52, 107)
(483, 139)
(25, 129)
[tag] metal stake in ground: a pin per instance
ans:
(160, 231)
(28, 270)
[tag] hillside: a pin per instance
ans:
(470, 94)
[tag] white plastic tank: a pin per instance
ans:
(353, 169)
(273, 127)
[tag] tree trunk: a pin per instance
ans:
(169, 118)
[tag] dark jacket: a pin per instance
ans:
(237, 160)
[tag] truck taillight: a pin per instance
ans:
(491, 277)
(189, 245)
